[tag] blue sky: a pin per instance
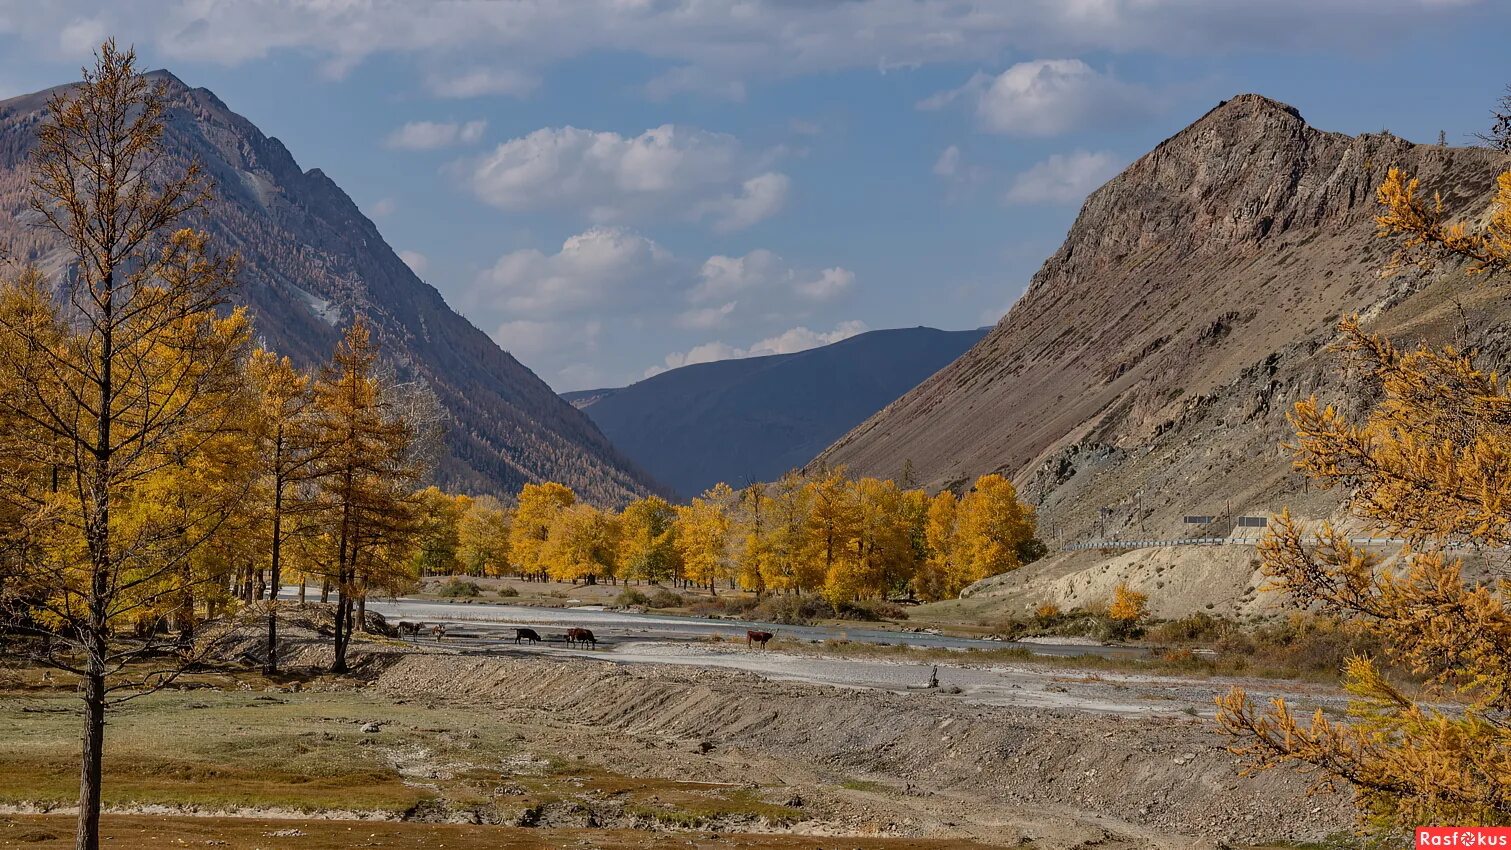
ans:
(614, 187)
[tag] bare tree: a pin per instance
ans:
(1499, 134)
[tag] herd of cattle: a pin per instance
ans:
(572, 636)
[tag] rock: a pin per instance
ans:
(371, 728)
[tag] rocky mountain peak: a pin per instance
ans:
(1191, 302)
(310, 261)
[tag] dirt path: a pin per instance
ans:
(46, 832)
(1015, 685)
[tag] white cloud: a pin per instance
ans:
(430, 135)
(830, 283)
(382, 207)
(721, 276)
(948, 162)
(760, 198)
(777, 37)
(1062, 178)
(707, 318)
(764, 272)
(82, 36)
(416, 261)
(527, 337)
(594, 270)
(480, 82)
(696, 81)
(788, 342)
(531, 339)
(667, 170)
(1047, 97)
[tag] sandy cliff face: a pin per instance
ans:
(1149, 366)
(312, 260)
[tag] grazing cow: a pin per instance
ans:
(526, 634)
(408, 629)
(581, 636)
(439, 631)
(753, 637)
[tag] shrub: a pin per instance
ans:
(793, 610)
(1127, 612)
(1031, 550)
(1200, 627)
(507, 592)
(870, 609)
(663, 598)
(724, 606)
(1047, 613)
(458, 588)
(630, 596)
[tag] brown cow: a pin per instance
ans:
(752, 636)
(439, 631)
(581, 636)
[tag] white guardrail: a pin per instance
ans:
(1229, 541)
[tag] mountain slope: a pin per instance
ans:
(755, 418)
(311, 260)
(1146, 372)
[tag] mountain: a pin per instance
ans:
(755, 418)
(1146, 372)
(312, 260)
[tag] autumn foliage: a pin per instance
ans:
(1430, 463)
(841, 538)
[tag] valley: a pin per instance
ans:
(627, 751)
(635, 532)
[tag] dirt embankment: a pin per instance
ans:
(1119, 781)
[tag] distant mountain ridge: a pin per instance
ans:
(1147, 371)
(752, 419)
(311, 260)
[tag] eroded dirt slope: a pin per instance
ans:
(935, 766)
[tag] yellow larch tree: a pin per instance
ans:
(483, 537)
(377, 438)
(286, 455)
(786, 568)
(582, 545)
(992, 530)
(753, 537)
(878, 555)
(832, 515)
(648, 547)
(438, 517)
(703, 537)
(114, 378)
(936, 578)
(1429, 463)
(534, 513)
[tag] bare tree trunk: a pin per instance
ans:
(276, 580)
(325, 591)
(87, 835)
(345, 577)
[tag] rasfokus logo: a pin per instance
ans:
(1463, 836)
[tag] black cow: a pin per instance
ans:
(526, 634)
